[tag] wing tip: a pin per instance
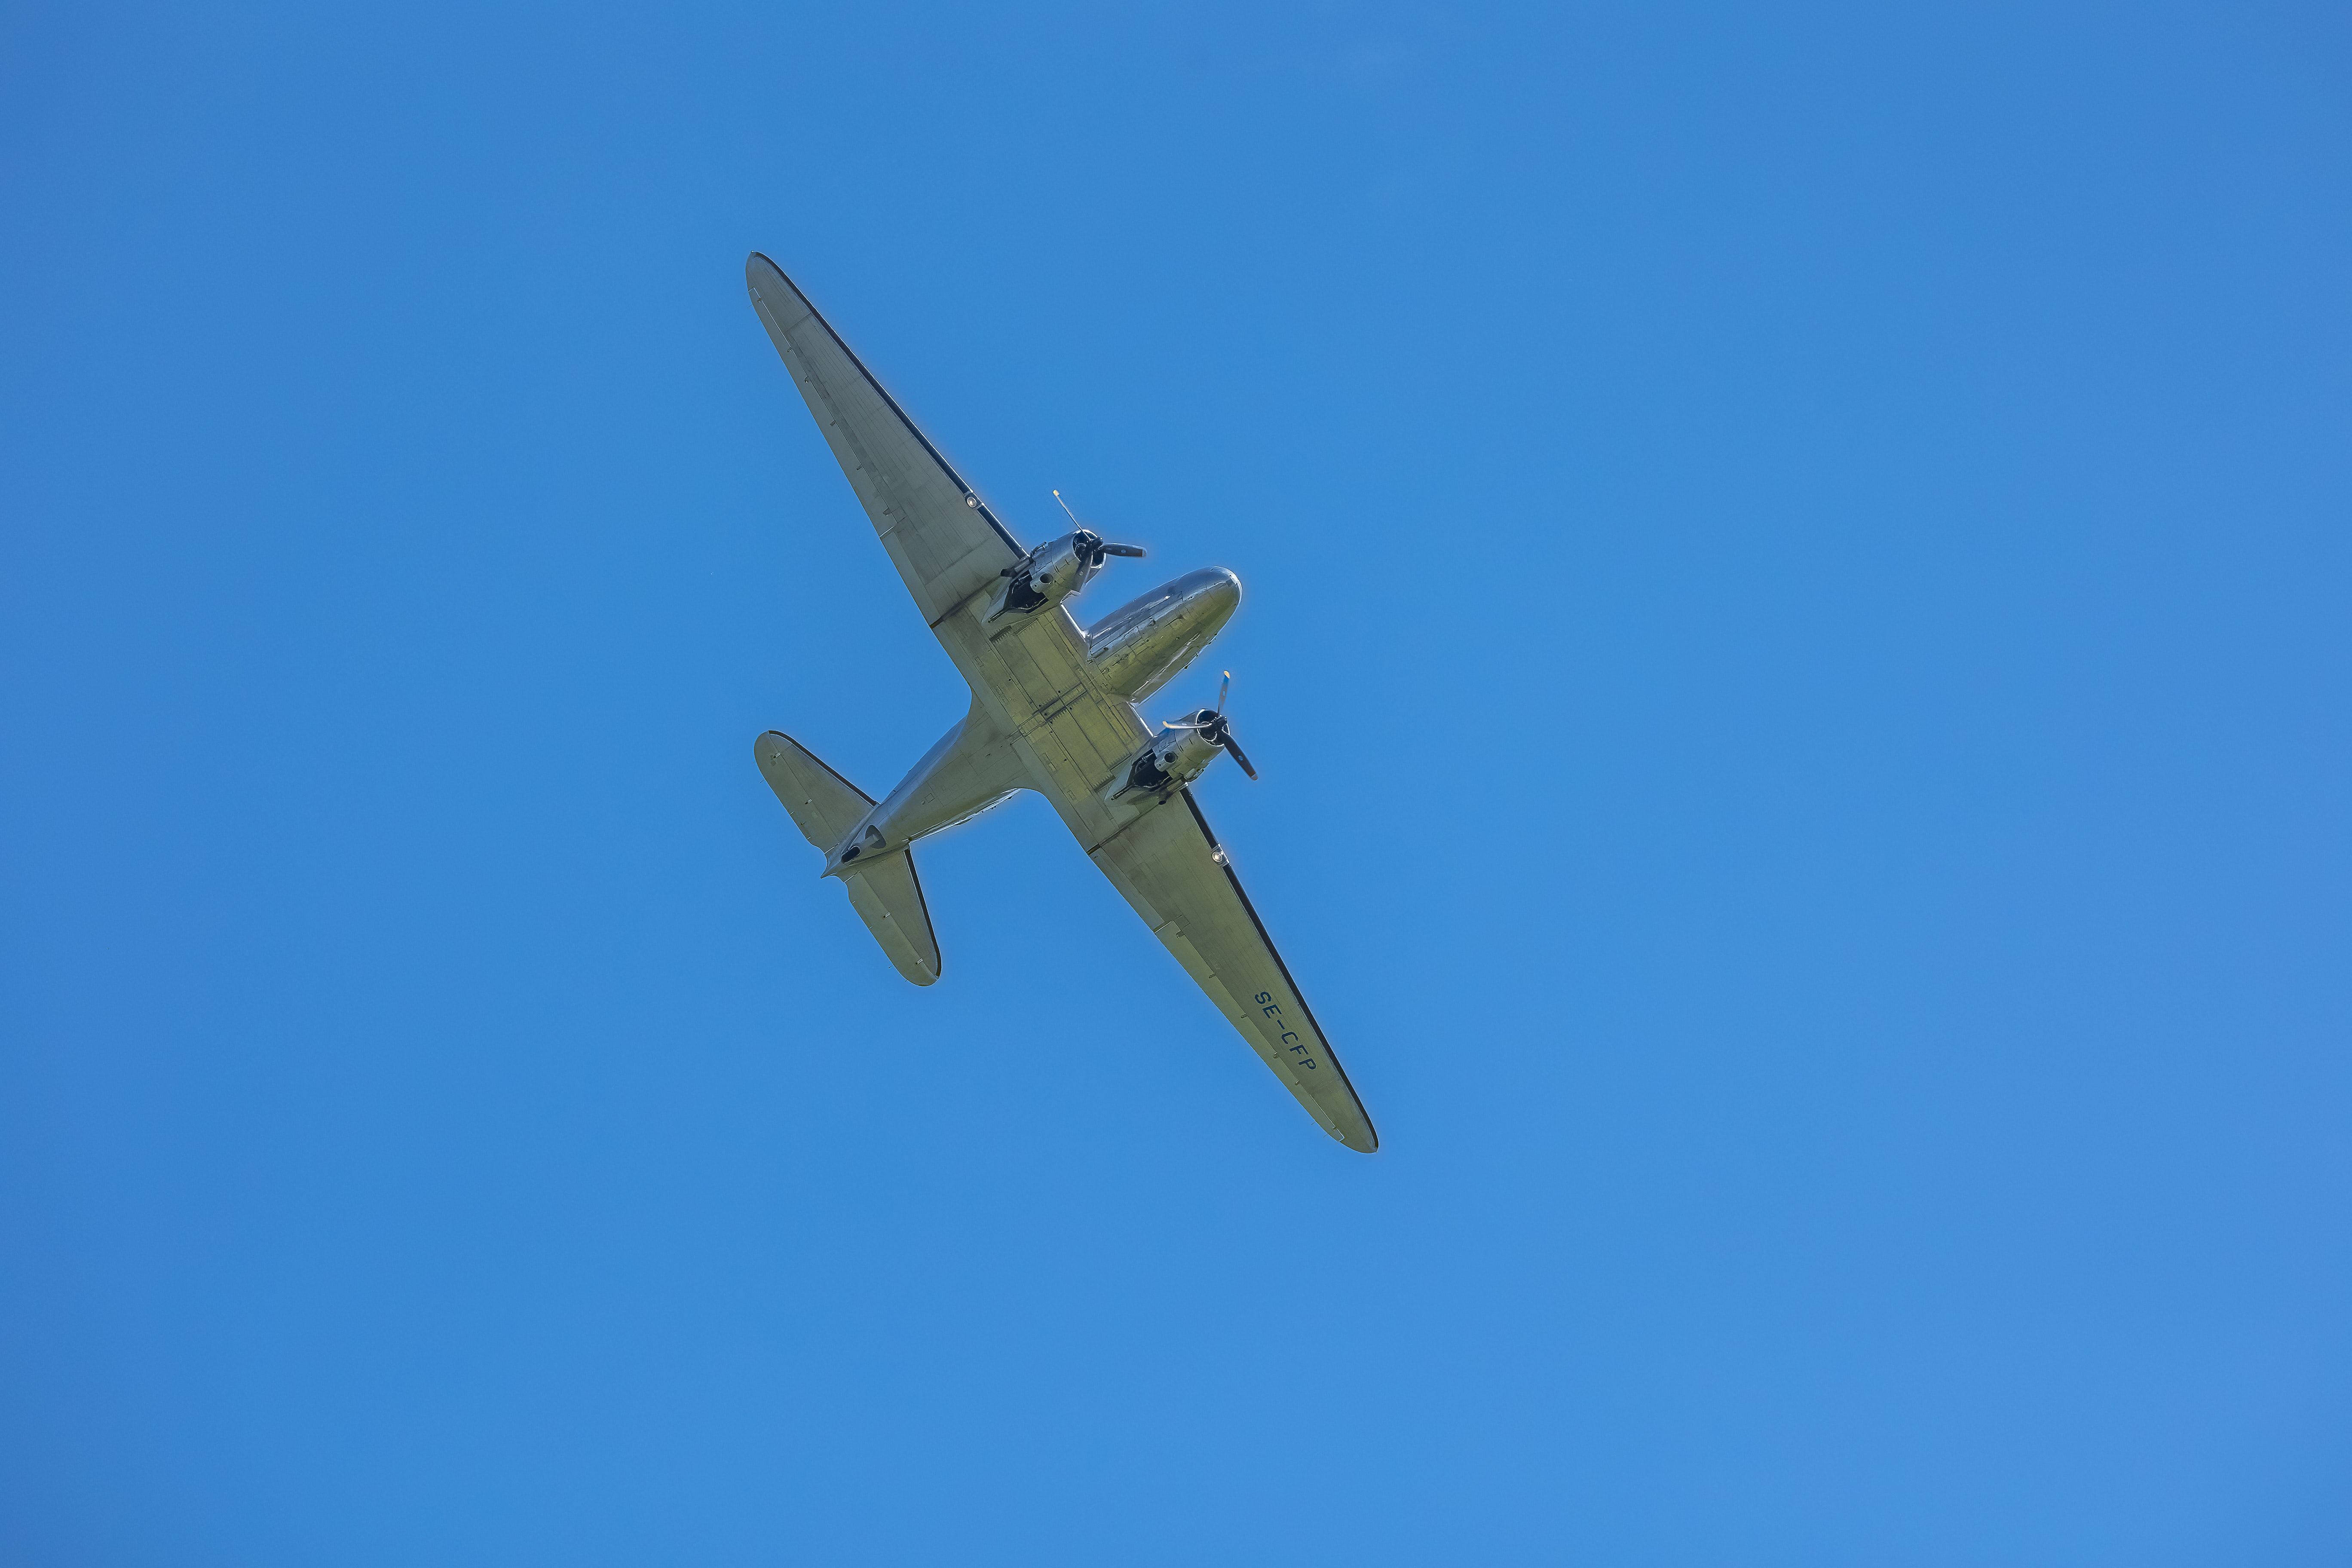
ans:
(759, 272)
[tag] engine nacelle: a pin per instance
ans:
(1174, 758)
(1048, 575)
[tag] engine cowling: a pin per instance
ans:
(1175, 757)
(1052, 572)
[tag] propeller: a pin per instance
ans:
(1091, 548)
(1089, 543)
(1213, 727)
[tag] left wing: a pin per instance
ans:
(1171, 868)
(943, 538)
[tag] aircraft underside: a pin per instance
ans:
(1052, 710)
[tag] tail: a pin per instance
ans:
(886, 894)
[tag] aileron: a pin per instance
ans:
(1170, 868)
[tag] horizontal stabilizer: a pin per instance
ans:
(889, 898)
(823, 804)
(885, 894)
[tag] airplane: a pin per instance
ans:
(1052, 710)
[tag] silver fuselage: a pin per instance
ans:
(1034, 681)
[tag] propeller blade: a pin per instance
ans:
(1092, 542)
(1222, 689)
(1237, 751)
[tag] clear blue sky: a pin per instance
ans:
(1796, 633)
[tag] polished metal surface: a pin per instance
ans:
(1141, 645)
(1174, 758)
(1045, 576)
(973, 766)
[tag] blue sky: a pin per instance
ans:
(1795, 568)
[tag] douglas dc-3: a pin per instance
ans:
(1052, 710)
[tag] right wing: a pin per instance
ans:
(943, 538)
(1171, 868)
